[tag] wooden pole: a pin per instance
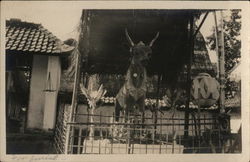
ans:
(191, 48)
(216, 43)
(199, 118)
(203, 20)
(157, 105)
(222, 66)
(69, 132)
(74, 99)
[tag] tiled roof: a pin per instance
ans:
(202, 61)
(29, 37)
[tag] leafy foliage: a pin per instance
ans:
(232, 44)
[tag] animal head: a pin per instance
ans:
(140, 51)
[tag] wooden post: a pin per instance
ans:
(69, 132)
(157, 106)
(219, 37)
(128, 134)
(216, 43)
(160, 133)
(199, 116)
(222, 66)
(74, 101)
(101, 135)
(191, 48)
(199, 122)
(79, 142)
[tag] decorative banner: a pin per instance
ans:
(205, 90)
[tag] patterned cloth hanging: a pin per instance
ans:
(205, 89)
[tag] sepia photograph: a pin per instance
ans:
(84, 80)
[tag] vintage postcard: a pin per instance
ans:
(128, 80)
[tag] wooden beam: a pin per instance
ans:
(188, 86)
(199, 27)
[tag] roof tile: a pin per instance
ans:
(31, 49)
(25, 36)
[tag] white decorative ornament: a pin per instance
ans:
(135, 75)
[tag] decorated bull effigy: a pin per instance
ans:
(131, 96)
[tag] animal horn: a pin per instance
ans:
(152, 42)
(129, 39)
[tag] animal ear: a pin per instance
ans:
(228, 112)
(130, 50)
(152, 41)
(128, 38)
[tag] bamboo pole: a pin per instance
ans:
(216, 43)
(74, 102)
(222, 67)
(69, 132)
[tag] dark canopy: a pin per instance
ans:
(109, 49)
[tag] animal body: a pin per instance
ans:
(131, 96)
